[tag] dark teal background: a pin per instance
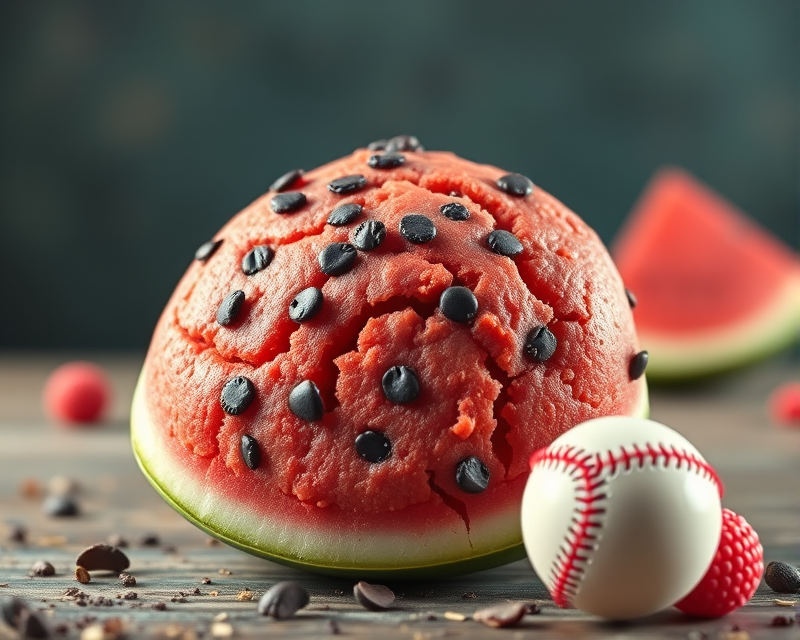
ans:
(131, 131)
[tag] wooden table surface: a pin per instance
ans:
(759, 464)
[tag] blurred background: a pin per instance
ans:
(130, 132)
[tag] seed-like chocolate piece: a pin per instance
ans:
(454, 211)
(283, 600)
(515, 184)
(504, 242)
(344, 214)
(286, 180)
(369, 234)
(507, 614)
(337, 258)
(206, 250)
(458, 304)
(230, 308)
(43, 568)
(256, 259)
(288, 202)
(103, 557)
(251, 452)
(403, 143)
(127, 580)
(782, 577)
(60, 506)
(540, 344)
(638, 364)
(386, 161)
(306, 402)
(631, 298)
(149, 540)
(236, 396)
(373, 446)
(400, 384)
(417, 228)
(472, 475)
(347, 184)
(82, 575)
(306, 304)
(375, 597)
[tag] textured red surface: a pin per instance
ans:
(77, 393)
(784, 404)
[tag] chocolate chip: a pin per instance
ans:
(103, 557)
(306, 402)
(638, 364)
(42, 568)
(337, 258)
(782, 577)
(236, 396)
(403, 143)
(400, 384)
(230, 308)
(60, 506)
(369, 234)
(540, 344)
(251, 453)
(283, 600)
(288, 202)
(149, 540)
(344, 214)
(373, 446)
(82, 576)
(127, 580)
(17, 533)
(505, 243)
(781, 621)
(256, 259)
(506, 614)
(347, 184)
(206, 250)
(458, 304)
(306, 304)
(454, 211)
(417, 228)
(159, 606)
(472, 475)
(286, 180)
(515, 184)
(390, 160)
(631, 298)
(375, 597)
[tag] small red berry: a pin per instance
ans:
(784, 404)
(77, 393)
(734, 574)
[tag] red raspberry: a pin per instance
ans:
(77, 393)
(734, 574)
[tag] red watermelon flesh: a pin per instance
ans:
(441, 491)
(714, 290)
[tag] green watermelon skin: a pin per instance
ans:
(313, 501)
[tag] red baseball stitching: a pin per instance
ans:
(586, 469)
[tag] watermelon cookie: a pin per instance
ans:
(352, 375)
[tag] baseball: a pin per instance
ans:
(621, 517)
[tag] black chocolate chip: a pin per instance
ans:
(373, 446)
(515, 184)
(540, 344)
(236, 396)
(251, 453)
(631, 298)
(337, 258)
(230, 308)
(400, 384)
(286, 180)
(374, 597)
(417, 228)
(43, 568)
(504, 242)
(206, 250)
(386, 160)
(344, 214)
(306, 402)
(60, 506)
(283, 600)
(454, 211)
(638, 364)
(305, 305)
(782, 577)
(256, 259)
(458, 304)
(472, 475)
(288, 202)
(103, 557)
(403, 143)
(369, 234)
(347, 184)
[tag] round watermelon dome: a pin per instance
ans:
(352, 374)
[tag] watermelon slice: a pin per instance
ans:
(351, 377)
(714, 290)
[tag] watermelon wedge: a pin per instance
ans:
(715, 291)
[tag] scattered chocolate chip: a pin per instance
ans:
(257, 259)
(347, 184)
(389, 160)
(30, 625)
(507, 614)
(373, 446)
(782, 577)
(375, 597)
(205, 581)
(631, 298)
(288, 202)
(515, 184)
(337, 258)
(305, 401)
(230, 308)
(103, 557)
(286, 180)
(540, 344)
(369, 234)
(781, 621)
(417, 228)
(149, 540)
(127, 580)
(472, 475)
(306, 304)
(403, 143)
(469, 595)
(178, 599)
(206, 250)
(236, 396)
(73, 592)
(638, 364)
(159, 606)
(400, 384)
(344, 214)
(60, 506)
(283, 600)
(17, 533)
(504, 242)
(82, 575)
(130, 595)
(43, 568)
(116, 540)
(454, 211)
(251, 453)
(458, 304)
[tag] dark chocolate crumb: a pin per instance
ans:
(454, 211)
(540, 344)
(283, 600)
(347, 184)
(73, 592)
(631, 298)
(305, 401)
(390, 160)
(286, 180)
(458, 304)
(515, 184)
(403, 143)
(257, 259)
(230, 307)
(781, 621)
(206, 250)
(17, 533)
(337, 258)
(159, 606)
(373, 446)
(60, 506)
(375, 597)
(344, 214)
(103, 557)
(236, 396)
(469, 595)
(130, 595)
(288, 202)
(472, 475)
(505, 243)
(195, 591)
(400, 384)
(782, 577)
(151, 539)
(306, 304)
(127, 580)
(205, 581)
(638, 364)
(417, 228)
(43, 568)
(369, 234)
(251, 453)
(178, 599)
